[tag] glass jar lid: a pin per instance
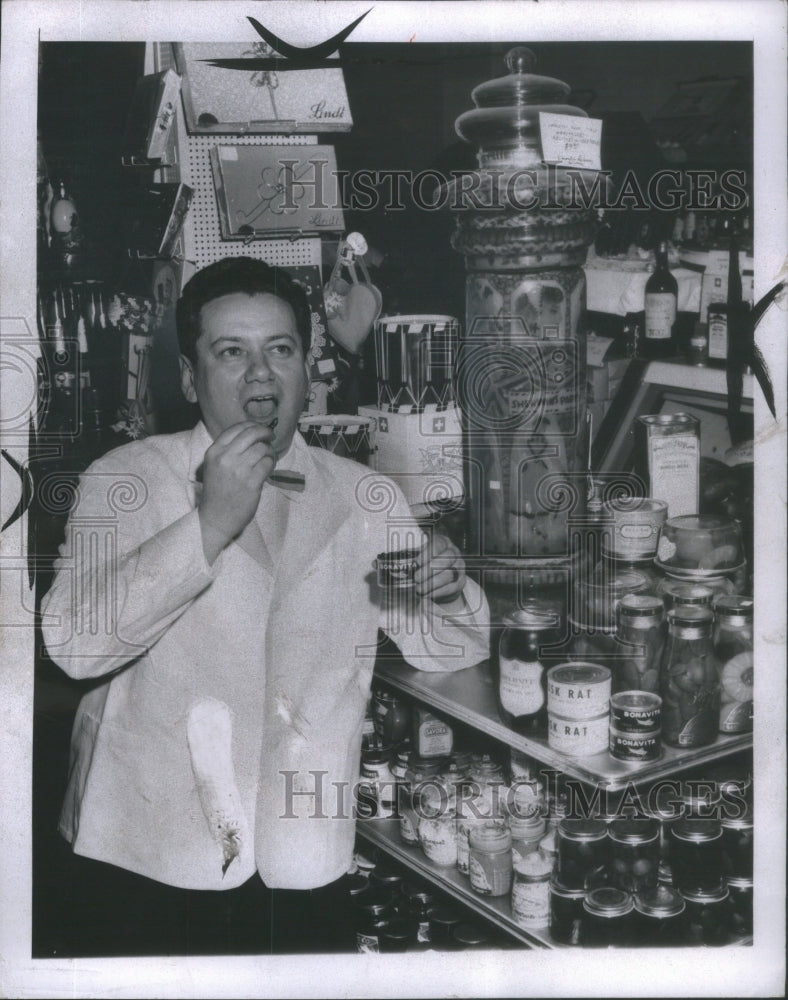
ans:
(697, 831)
(716, 895)
(532, 616)
(582, 829)
(415, 894)
(608, 902)
(741, 884)
(661, 901)
(690, 616)
(505, 122)
(641, 606)
(470, 935)
(633, 831)
(444, 916)
(692, 594)
(558, 889)
(734, 609)
(743, 822)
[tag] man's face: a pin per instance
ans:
(250, 366)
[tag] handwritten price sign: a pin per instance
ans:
(571, 141)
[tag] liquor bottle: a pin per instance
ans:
(662, 292)
(722, 315)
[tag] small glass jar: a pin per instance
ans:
(583, 851)
(377, 789)
(566, 913)
(396, 936)
(468, 936)
(522, 680)
(418, 903)
(733, 648)
(374, 911)
(740, 891)
(737, 846)
(659, 918)
(408, 793)
(490, 861)
(388, 879)
(635, 853)
(680, 593)
(438, 837)
(527, 832)
(607, 918)
(443, 920)
(531, 890)
(708, 916)
(690, 680)
(696, 855)
(641, 637)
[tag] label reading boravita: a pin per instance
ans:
(673, 464)
(521, 686)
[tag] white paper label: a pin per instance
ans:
(674, 462)
(520, 686)
(571, 140)
(660, 315)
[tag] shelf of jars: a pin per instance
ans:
(384, 833)
(469, 695)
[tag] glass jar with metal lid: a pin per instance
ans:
(438, 836)
(418, 772)
(681, 593)
(737, 845)
(583, 851)
(635, 859)
(566, 913)
(740, 893)
(718, 585)
(606, 918)
(417, 905)
(374, 910)
(733, 647)
(696, 855)
(490, 861)
(659, 918)
(469, 936)
(690, 680)
(708, 915)
(641, 636)
(531, 890)
(443, 920)
(396, 936)
(377, 789)
(522, 680)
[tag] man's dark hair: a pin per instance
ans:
(237, 274)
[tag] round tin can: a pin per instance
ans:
(634, 748)
(578, 690)
(636, 712)
(578, 737)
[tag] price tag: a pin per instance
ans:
(571, 141)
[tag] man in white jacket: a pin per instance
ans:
(219, 585)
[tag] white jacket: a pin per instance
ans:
(223, 688)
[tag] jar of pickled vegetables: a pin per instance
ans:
(583, 851)
(732, 639)
(635, 853)
(696, 855)
(641, 637)
(690, 680)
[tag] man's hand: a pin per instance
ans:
(440, 573)
(235, 467)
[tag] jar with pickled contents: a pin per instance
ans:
(531, 890)
(641, 639)
(732, 640)
(527, 833)
(690, 680)
(696, 855)
(740, 894)
(566, 913)
(659, 918)
(708, 915)
(737, 846)
(418, 772)
(596, 598)
(635, 845)
(490, 860)
(583, 851)
(522, 680)
(607, 918)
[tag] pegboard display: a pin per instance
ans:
(202, 239)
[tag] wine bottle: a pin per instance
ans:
(662, 291)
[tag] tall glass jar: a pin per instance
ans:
(522, 683)
(641, 636)
(583, 851)
(531, 890)
(690, 680)
(566, 912)
(696, 855)
(635, 844)
(408, 790)
(733, 648)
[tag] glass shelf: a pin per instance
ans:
(469, 696)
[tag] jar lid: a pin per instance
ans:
(633, 831)
(533, 615)
(739, 883)
(681, 592)
(743, 822)
(444, 916)
(374, 757)
(356, 883)
(661, 901)
(608, 901)
(690, 616)
(641, 606)
(715, 895)
(734, 609)
(579, 673)
(558, 889)
(534, 865)
(582, 829)
(470, 935)
(397, 930)
(644, 701)
(415, 894)
(387, 877)
(490, 837)
(697, 831)
(376, 904)
(520, 826)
